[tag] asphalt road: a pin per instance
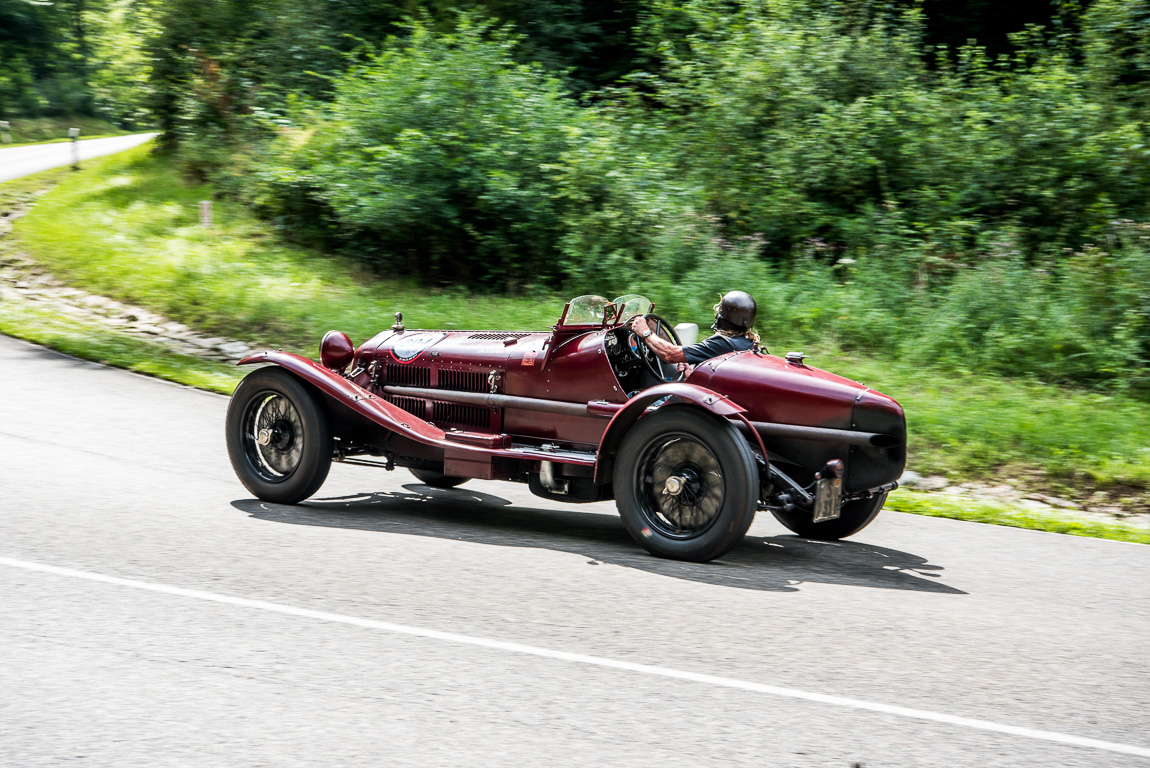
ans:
(153, 614)
(24, 161)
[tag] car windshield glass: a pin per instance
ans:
(632, 304)
(586, 310)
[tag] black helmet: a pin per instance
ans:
(735, 312)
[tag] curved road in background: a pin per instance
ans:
(34, 158)
(153, 613)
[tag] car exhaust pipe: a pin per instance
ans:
(824, 434)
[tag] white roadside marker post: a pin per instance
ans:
(5, 136)
(74, 135)
(206, 213)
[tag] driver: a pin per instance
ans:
(734, 317)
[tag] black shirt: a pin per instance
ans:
(715, 346)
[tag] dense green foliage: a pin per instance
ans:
(76, 58)
(439, 150)
(442, 157)
(804, 123)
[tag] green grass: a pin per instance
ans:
(25, 320)
(970, 426)
(934, 505)
(127, 227)
(45, 130)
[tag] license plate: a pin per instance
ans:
(828, 496)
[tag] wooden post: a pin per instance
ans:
(205, 213)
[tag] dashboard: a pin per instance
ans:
(626, 351)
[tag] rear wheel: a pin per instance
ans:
(855, 515)
(437, 479)
(685, 485)
(279, 437)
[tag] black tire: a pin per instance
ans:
(716, 476)
(293, 461)
(437, 479)
(853, 517)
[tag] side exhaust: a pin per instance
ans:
(823, 434)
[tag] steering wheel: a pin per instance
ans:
(664, 372)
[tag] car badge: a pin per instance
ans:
(409, 347)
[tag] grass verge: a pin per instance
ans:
(127, 227)
(973, 510)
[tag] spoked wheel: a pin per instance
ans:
(437, 479)
(279, 438)
(854, 515)
(685, 485)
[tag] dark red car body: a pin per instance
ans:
(553, 409)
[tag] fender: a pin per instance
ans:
(353, 396)
(621, 422)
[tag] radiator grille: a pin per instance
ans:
(412, 405)
(407, 375)
(461, 415)
(464, 381)
(494, 336)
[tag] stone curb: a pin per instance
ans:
(21, 278)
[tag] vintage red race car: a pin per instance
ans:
(581, 413)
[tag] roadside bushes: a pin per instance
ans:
(799, 117)
(436, 155)
(442, 157)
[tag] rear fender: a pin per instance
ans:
(636, 407)
(351, 395)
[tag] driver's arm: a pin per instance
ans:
(665, 350)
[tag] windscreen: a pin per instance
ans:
(586, 310)
(632, 304)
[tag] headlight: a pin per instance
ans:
(336, 350)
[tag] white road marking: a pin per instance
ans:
(597, 661)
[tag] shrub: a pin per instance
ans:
(799, 118)
(436, 156)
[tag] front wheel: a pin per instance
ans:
(686, 484)
(279, 437)
(854, 515)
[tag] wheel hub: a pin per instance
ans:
(276, 430)
(686, 487)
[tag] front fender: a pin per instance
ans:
(352, 395)
(621, 422)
